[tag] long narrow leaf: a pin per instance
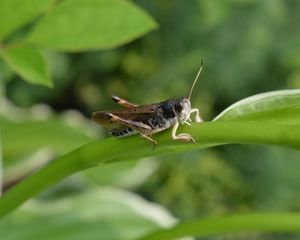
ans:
(255, 222)
(111, 150)
(207, 134)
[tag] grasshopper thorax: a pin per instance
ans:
(179, 108)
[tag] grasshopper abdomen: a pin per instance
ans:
(122, 132)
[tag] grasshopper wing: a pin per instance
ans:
(138, 114)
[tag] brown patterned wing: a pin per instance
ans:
(139, 114)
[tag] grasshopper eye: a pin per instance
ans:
(178, 107)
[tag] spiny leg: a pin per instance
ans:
(197, 116)
(148, 137)
(182, 136)
(123, 102)
(138, 126)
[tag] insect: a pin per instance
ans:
(147, 120)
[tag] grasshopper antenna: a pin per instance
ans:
(194, 83)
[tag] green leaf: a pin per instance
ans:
(105, 213)
(17, 13)
(29, 63)
(110, 150)
(21, 138)
(78, 25)
(29, 144)
(127, 174)
(278, 107)
(255, 222)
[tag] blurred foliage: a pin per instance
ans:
(98, 214)
(248, 47)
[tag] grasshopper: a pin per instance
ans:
(149, 119)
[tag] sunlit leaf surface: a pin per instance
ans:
(29, 63)
(77, 25)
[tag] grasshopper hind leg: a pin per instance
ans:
(124, 103)
(135, 126)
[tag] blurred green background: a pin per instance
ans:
(248, 47)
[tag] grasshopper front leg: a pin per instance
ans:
(197, 116)
(182, 136)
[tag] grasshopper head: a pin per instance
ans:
(179, 108)
(182, 108)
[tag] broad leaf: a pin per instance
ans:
(278, 107)
(29, 63)
(78, 25)
(16, 13)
